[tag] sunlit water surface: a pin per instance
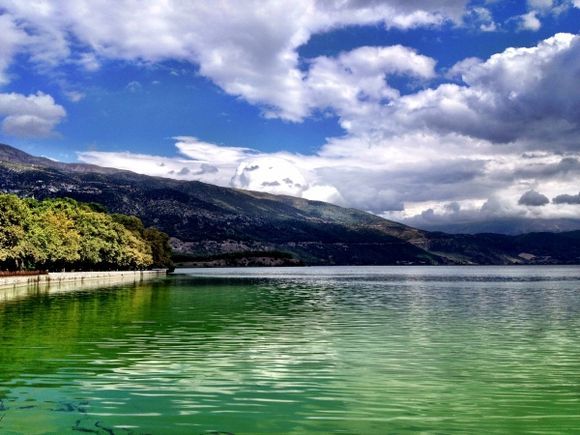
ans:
(299, 350)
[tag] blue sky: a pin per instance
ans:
(364, 103)
(128, 107)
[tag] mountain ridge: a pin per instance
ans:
(204, 219)
(509, 226)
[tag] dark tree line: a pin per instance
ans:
(57, 234)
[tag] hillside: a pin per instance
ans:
(207, 220)
(509, 226)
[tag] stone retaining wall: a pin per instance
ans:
(79, 277)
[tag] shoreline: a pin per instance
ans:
(58, 278)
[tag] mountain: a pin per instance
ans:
(209, 221)
(510, 226)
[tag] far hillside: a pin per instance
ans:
(212, 225)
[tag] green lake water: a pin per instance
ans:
(361, 350)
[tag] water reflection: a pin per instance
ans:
(361, 352)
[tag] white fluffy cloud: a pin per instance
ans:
(244, 168)
(10, 42)
(354, 82)
(540, 4)
(530, 21)
(539, 10)
(552, 6)
(276, 175)
(478, 145)
(462, 142)
(249, 49)
(483, 18)
(522, 93)
(34, 115)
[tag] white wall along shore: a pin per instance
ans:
(57, 278)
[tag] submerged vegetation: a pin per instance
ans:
(57, 234)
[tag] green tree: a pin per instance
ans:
(62, 233)
(53, 240)
(14, 222)
(132, 223)
(160, 249)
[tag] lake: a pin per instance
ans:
(353, 350)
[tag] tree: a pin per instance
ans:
(14, 222)
(160, 249)
(53, 240)
(132, 223)
(63, 233)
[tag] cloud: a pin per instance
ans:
(482, 18)
(530, 21)
(548, 168)
(89, 62)
(355, 81)
(35, 115)
(539, 10)
(389, 177)
(134, 87)
(11, 41)
(74, 96)
(169, 167)
(244, 168)
(519, 94)
(456, 141)
(567, 199)
(533, 199)
(540, 4)
(509, 126)
(470, 212)
(249, 51)
(275, 175)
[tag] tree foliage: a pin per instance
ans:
(57, 234)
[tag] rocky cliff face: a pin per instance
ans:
(207, 220)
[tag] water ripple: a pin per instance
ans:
(345, 350)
